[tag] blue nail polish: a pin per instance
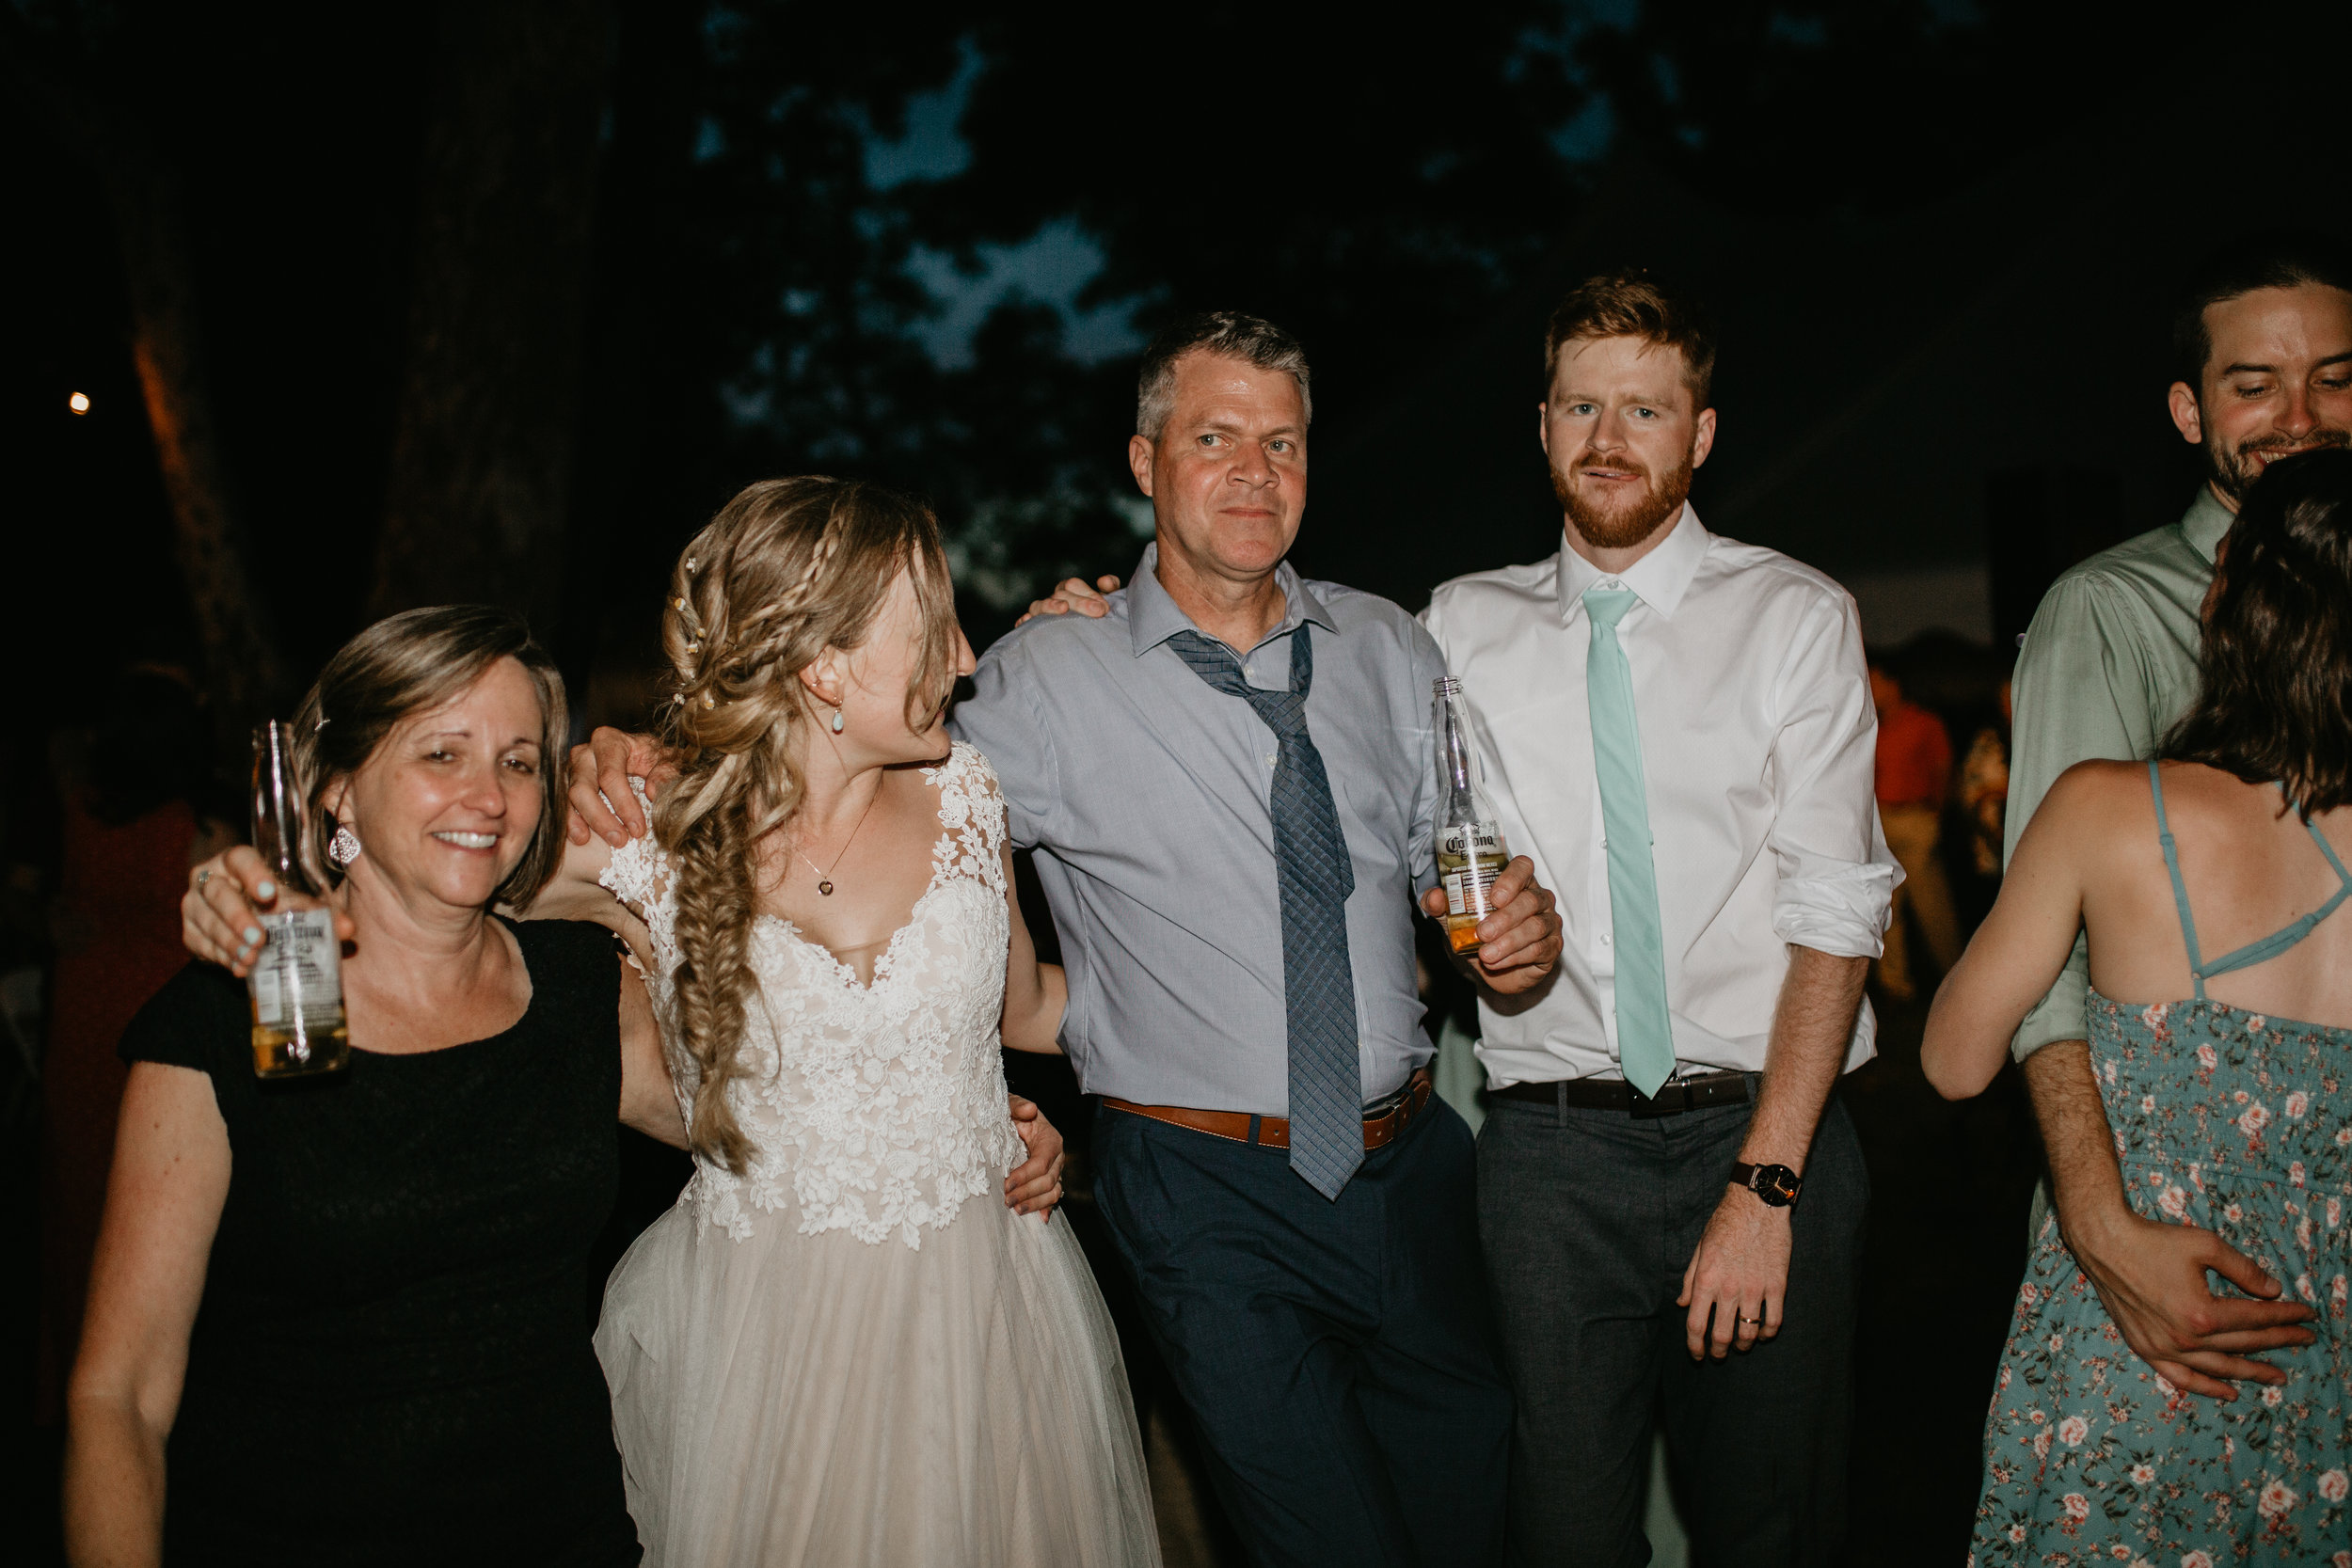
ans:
(266, 890)
(252, 935)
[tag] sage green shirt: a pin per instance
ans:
(2108, 665)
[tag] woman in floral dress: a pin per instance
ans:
(2223, 1077)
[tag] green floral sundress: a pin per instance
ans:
(2238, 1123)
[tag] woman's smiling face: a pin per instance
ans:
(446, 807)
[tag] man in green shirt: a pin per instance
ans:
(2264, 345)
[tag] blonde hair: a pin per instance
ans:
(409, 664)
(788, 568)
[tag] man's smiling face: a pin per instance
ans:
(2278, 381)
(1623, 436)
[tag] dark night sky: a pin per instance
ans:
(1883, 354)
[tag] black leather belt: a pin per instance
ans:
(1615, 1094)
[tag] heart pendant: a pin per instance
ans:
(825, 888)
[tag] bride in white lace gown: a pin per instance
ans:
(841, 1347)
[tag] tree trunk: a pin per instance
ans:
(484, 439)
(244, 674)
(638, 267)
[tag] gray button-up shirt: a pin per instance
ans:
(1144, 791)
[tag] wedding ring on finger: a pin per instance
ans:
(203, 874)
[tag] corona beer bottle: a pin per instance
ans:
(296, 984)
(1469, 838)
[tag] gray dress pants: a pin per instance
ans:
(1588, 1219)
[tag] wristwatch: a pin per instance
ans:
(1776, 1185)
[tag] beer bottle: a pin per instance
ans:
(1469, 837)
(296, 985)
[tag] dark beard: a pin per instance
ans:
(2233, 472)
(1661, 502)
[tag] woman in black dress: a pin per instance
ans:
(342, 1315)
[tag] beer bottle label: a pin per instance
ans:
(1470, 857)
(299, 972)
(1461, 840)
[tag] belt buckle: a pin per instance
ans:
(1673, 1098)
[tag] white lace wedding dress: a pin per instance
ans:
(853, 1353)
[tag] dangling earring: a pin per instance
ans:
(344, 848)
(837, 721)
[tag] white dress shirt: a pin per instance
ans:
(1753, 706)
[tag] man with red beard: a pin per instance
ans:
(1676, 728)
(2263, 337)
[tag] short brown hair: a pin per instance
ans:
(1231, 333)
(1630, 303)
(411, 663)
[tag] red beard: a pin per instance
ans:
(1634, 519)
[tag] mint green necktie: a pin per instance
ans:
(1646, 1040)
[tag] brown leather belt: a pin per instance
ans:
(1382, 1128)
(1615, 1094)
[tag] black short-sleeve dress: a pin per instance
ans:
(390, 1363)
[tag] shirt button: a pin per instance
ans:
(1272, 757)
(1604, 939)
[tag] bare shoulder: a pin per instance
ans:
(2095, 801)
(2103, 780)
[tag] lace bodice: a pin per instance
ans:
(875, 1110)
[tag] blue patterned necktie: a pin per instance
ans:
(1313, 875)
(1646, 1040)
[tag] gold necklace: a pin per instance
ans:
(824, 875)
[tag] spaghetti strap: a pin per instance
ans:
(2180, 889)
(2253, 953)
(2344, 878)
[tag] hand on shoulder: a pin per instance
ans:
(1073, 595)
(602, 804)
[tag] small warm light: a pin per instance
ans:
(79, 402)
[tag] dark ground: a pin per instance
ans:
(1951, 1184)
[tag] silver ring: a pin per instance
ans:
(202, 872)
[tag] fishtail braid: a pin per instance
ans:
(817, 559)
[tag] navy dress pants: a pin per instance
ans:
(1590, 1218)
(1339, 1356)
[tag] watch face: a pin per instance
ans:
(1777, 1185)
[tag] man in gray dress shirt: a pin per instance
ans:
(1327, 1321)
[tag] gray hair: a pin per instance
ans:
(1230, 334)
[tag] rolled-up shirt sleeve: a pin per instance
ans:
(1005, 719)
(1836, 879)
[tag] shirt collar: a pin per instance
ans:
(2206, 521)
(1153, 617)
(1659, 578)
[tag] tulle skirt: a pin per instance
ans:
(818, 1400)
